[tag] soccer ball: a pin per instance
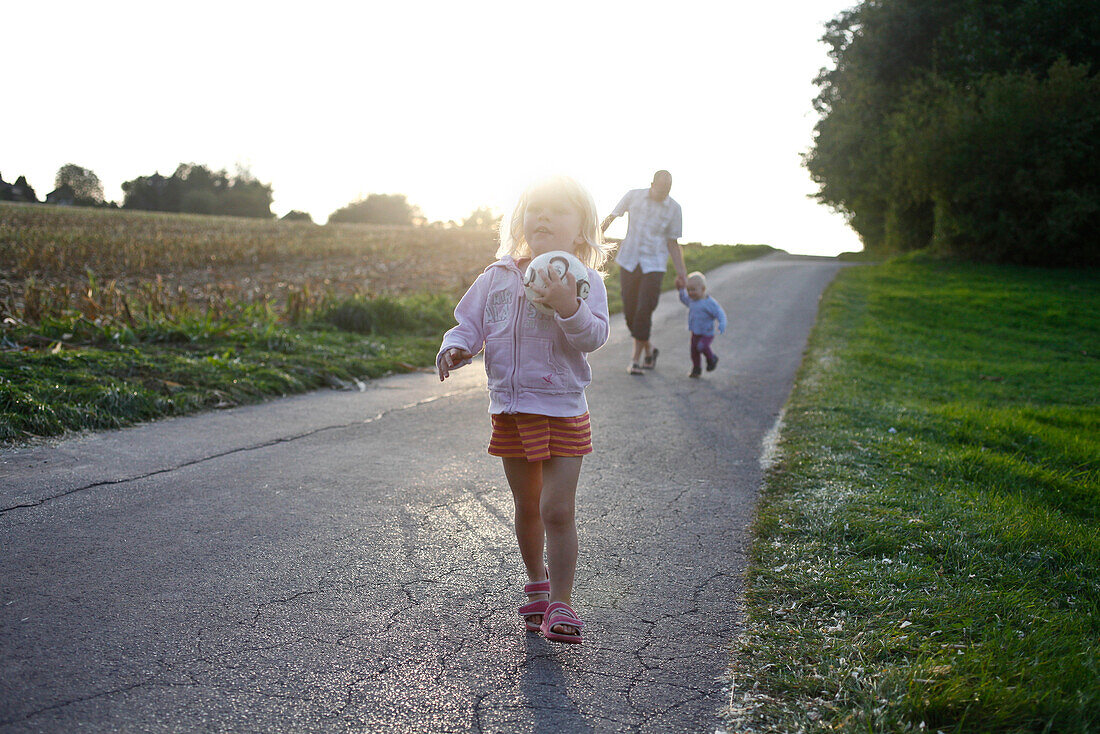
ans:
(562, 262)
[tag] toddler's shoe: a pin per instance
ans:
(712, 363)
(695, 372)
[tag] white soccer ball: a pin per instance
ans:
(563, 262)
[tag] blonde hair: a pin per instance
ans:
(593, 252)
(697, 277)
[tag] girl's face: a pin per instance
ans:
(551, 224)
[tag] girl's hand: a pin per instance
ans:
(559, 294)
(452, 359)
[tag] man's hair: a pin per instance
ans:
(593, 252)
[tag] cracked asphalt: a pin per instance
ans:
(345, 561)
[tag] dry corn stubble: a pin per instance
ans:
(116, 264)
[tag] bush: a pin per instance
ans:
(378, 209)
(1009, 162)
(199, 202)
(384, 315)
(195, 189)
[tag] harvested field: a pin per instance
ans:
(54, 259)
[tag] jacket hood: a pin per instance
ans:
(507, 262)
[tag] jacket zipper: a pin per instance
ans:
(515, 349)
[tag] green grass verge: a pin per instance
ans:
(926, 552)
(71, 373)
(45, 392)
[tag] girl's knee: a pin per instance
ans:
(528, 512)
(556, 516)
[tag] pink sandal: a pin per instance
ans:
(561, 613)
(537, 607)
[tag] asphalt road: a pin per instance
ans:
(345, 561)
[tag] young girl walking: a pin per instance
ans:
(537, 374)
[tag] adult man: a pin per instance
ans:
(652, 232)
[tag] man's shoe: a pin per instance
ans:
(650, 360)
(634, 369)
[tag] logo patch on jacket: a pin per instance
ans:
(498, 307)
(535, 319)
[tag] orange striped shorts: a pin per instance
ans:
(538, 437)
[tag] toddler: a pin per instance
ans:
(703, 311)
(537, 374)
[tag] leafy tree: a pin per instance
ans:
(199, 201)
(877, 48)
(378, 209)
(149, 193)
(196, 189)
(481, 218)
(247, 196)
(951, 122)
(1009, 163)
(84, 184)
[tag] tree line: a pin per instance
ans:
(197, 189)
(966, 126)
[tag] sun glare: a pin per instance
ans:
(456, 106)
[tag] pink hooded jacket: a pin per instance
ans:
(535, 362)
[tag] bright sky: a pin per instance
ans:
(456, 105)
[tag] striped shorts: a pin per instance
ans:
(538, 437)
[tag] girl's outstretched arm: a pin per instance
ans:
(468, 336)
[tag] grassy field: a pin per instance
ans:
(108, 318)
(926, 554)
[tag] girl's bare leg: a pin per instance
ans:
(558, 511)
(525, 479)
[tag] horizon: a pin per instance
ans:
(117, 205)
(342, 103)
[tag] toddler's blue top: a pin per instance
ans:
(702, 314)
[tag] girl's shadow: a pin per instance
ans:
(548, 691)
